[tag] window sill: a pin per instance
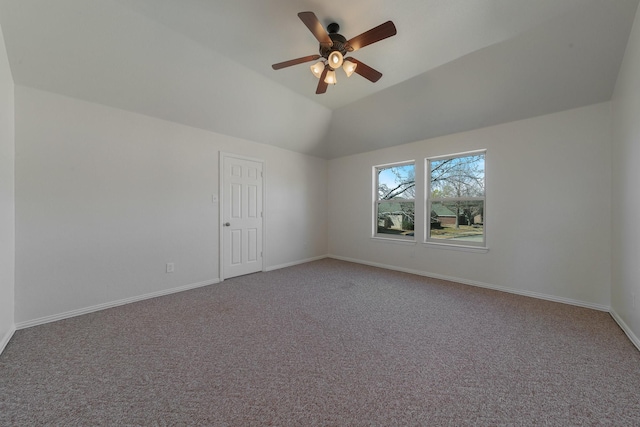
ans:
(392, 240)
(462, 248)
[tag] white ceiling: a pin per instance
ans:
(454, 65)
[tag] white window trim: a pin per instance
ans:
(395, 240)
(438, 243)
(374, 208)
(456, 247)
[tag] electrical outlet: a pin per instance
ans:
(169, 267)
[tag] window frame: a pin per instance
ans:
(376, 202)
(428, 200)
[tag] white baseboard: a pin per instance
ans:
(538, 295)
(291, 264)
(86, 310)
(627, 330)
(6, 338)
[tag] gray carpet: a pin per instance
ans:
(325, 343)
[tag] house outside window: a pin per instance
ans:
(394, 201)
(456, 199)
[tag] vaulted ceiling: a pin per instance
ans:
(454, 65)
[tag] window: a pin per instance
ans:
(456, 199)
(394, 200)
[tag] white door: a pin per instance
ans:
(241, 216)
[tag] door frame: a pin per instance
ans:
(221, 159)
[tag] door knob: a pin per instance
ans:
(227, 224)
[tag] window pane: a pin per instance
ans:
(458, 177)
(397, 182)
(461, 221)
(395, 217)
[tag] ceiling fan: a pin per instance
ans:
(335, 47)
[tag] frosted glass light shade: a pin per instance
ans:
(317, 68)
(331, 77)
(335, 59)
(349, 67)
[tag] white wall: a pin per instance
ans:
(625, 288)
(105, 197)
(548, 216)
(105, 52)
(7, 199)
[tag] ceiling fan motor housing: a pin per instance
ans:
(339, 42)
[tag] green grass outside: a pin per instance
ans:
(449, 231)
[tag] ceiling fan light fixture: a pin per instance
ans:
(349, 67)
(331, 77)
(317, 68)
(335, 59)
(333, 48)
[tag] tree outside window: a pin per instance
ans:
(395, 201)
(456, 199)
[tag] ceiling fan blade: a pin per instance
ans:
(296, 61)
(365, 71)
(313, 24)
(376, 34)
(322, 85)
